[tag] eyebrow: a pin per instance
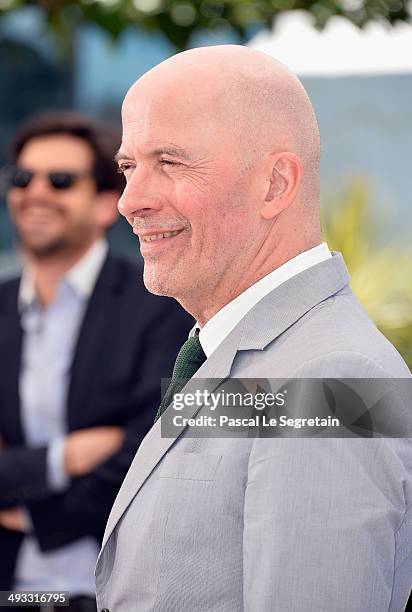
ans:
(120, 155)
(167, 150)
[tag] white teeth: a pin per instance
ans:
(154, 237)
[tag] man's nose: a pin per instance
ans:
(141, 196)
(38, 186)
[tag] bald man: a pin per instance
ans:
(221, 155)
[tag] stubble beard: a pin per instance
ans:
(46, 250)
(169, 281)
(158, 283)
(53, 248)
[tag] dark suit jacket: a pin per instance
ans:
(127, 342)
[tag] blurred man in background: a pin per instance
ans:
(83, 346)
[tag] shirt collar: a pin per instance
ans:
(81, 277)
(224, 321)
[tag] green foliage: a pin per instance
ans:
(178, 19)
(381, 277)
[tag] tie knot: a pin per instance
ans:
(190, 358)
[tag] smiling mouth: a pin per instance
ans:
(39, 213)
(160, 236)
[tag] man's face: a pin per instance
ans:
(49, 220)
(184, 176)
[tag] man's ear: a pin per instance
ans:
(106, 208)
(284, 180)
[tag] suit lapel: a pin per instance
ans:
(10, 357)
(93, 331)
(289, 302)
(265, 322)
(154, 446)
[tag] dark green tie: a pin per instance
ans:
(190, 358)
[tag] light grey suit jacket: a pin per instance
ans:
(265, 525)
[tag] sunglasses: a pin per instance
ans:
(60, 180)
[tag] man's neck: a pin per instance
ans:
(235, 284)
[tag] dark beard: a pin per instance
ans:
(44, 251)
(47, 250)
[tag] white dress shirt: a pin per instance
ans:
(224, 321)
(49, 340)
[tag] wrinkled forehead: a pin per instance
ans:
(140, 104)
(180, 92)
(170, 109)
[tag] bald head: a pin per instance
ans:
(247, 93)
(221, 145)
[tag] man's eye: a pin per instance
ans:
(124, 167)
(169, 162)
